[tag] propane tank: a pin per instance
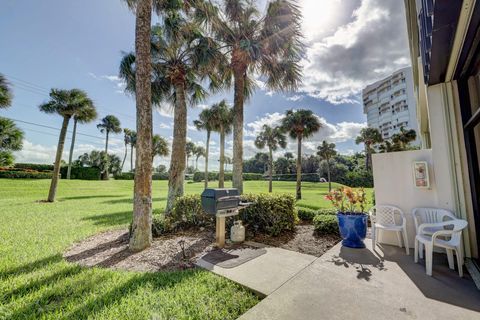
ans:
(237, 232)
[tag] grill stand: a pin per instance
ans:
(220, 224)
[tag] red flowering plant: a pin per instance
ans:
(347, 200)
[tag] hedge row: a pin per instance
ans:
(326, 224)
(213, 176)
(34, 166)
(306, 177)
(307, 214)
(20, 174)
(131, 176)
(82, 173)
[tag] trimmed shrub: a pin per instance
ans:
(270, 213)
(328, 211)
(82, 173)
(307, 177)
(306, 214)
(131, 176)
(34, 166)
(188, 212)
(252, 176)
(160, 176)
(325, 224)
(24, 174)
(213, 176)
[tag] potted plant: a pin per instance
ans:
(352, 220)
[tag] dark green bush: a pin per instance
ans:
(325, 224)
(81, 173)
(160, 226)
(307, 177)
(19, 174)
(270, 213)
(160, 176)
(306, 214)
(34, 166)
(359, 178)
(131, 176)
(213, 176)
(188, 212)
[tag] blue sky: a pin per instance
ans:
(78, 44)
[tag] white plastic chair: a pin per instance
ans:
(382, 218)
(454, 243)
(430, 215)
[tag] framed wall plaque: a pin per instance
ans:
(420, 174)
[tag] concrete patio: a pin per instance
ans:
(356, 284)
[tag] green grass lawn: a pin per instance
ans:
(36, 283)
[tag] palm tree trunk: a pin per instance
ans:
(105, 173)
(367, 156)
(141, 235)
(58, 157)
(177, 163)
(270, 170)
(299, 168)
(131, 158)
(221, 172)
(206, 159)
(237, 178)
(196, 163)
(72, 145)
(124, 157)
(328, 174)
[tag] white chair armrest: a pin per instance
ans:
(433, 225)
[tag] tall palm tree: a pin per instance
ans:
(369, 137)
(107, 125)
(183, 59)
(222, 123)
(133, 144)
(141, 234)
(11, 139)
(5, 93)
(189, 150)
(205, 122)
(126, 141)
(300, 124)
(87, 114)
(327, 151)
(199, 152)
(268, 45)
(66, 103)
(404, 137)
(271, 138)
(160, 147)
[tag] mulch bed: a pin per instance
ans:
(181, 250)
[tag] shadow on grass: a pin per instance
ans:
(31, 267)
(111, 219)
(130, 200)
(91, 197)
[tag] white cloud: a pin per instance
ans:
(116, 80)
(164, 126)
(296, 97)
(367, 45)
(165, 110)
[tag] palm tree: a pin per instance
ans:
(199, 152)
(268, 45)
(11, 139)
(133, 144)
(189, 150)
(228, 161)
(160, 147)
(272, 138)
(205, 122)
(66, 103)
(126, 141)
(141, 234)
(87, 114)
(5, 93)
(109, 124)
(404, 137)
(300, 124)
(222, 123)
(326, 151)
(183, 59)
(369, 137)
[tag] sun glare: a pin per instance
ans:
(319, 16)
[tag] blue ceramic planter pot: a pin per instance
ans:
(353, 229)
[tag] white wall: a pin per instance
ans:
(394, 185)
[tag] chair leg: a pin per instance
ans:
(420, 250)
(415, 254)
(399, 238)
(459, 261)
(428, 258)
(374, 244)
(405, 240)
(451, 264)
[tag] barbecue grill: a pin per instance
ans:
(222, 203)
